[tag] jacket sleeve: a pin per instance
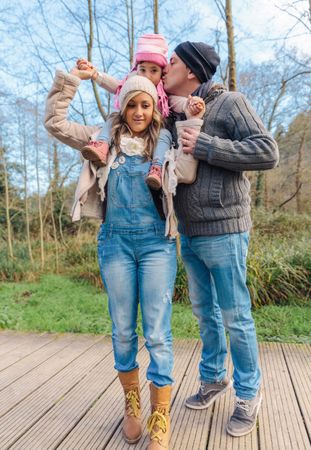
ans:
(107, 82)
(56, 122)
(249, 146)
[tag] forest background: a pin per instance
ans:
(265, 53)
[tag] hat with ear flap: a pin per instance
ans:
(200, 58)
(137, 83)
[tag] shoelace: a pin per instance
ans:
(242, 405)
(95, 143)
(132, 403)
(156, 420)
(155, 170)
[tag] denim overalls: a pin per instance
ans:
(137, 264)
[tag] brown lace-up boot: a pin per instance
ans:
(158, 424)
(132, 430)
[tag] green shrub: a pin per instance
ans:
(279, 260)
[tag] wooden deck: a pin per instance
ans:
(61, 391)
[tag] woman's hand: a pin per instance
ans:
(84, 64)
(84, 70)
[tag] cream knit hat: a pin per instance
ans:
(138, 83)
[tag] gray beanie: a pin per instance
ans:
(201, 59)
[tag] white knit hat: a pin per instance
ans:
(138, 83)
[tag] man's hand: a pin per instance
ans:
(189, 139)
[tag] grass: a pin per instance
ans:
(60, 304)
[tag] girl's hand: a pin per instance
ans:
(195, 107)
(85, 65)
(82, 74)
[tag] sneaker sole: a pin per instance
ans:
(154, 184)
(206, 405)
(90, 155)
(248, 431)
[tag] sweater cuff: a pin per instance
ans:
(203, 149)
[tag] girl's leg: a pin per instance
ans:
(154, 177)
(156, 275)
(119, 274)
(97, 150)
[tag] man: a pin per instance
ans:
(214, 223)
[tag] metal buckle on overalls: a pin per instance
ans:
(115, 165)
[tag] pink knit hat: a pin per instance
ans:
(151, 48)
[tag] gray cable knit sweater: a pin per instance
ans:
(233, 139)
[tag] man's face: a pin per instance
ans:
(175, 75)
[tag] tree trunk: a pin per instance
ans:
(7, 205)
(156, 16)
(130, 29)
(89, 57)
(231, 50)
(24, 160)
(51, 201)
(42, 255)
(299, 171)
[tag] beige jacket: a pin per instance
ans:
(87, 201)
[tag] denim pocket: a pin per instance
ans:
(244, 239)
(130, 190)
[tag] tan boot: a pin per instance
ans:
(158, 424)
(132, 429)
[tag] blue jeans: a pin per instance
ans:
(139, 265)
(216, 269)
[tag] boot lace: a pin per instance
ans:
(132, 403)
(156, 425)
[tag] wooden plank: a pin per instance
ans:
(281, 426)
(27, 346)
(298, 359)
(12, 341)
(189, 427)
(16, 391)
(95, 429)
(22, 417)
(51, 429)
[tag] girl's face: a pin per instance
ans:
(139, 113)
(151, 71)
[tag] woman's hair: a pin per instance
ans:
(119, 127)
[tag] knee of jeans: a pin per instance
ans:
(156, 340)
(234, 319)
(229, 318)
(124, 337)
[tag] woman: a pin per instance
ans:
(136, 259)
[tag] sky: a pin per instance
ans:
(258, 25)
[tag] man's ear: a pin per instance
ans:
(191, 75)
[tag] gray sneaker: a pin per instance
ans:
(244, 416)
(208, 393)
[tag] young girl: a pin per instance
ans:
(137, 262)
(150, 59)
